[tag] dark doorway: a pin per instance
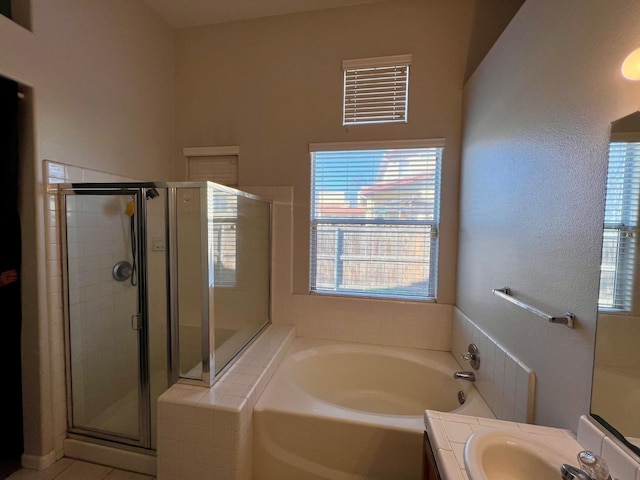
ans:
(11, 433)
(5, 8)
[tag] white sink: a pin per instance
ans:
(497, 454)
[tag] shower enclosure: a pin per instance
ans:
(164, 282)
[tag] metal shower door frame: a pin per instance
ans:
(138, 191)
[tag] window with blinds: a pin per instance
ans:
(223, 221)
(376, 90)
(374, 220)
(620, 227)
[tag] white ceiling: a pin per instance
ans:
(190, 13)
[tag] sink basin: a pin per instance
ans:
(515, 455)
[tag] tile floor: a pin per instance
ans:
(69, 469)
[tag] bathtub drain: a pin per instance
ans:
(461, 397)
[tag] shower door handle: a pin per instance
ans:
(136, 321)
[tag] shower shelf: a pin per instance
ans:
(567, 319)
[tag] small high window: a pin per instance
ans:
(376, 90)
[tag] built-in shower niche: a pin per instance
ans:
(164, 283)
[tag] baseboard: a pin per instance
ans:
(38, 462)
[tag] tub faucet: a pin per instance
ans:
(465, 376)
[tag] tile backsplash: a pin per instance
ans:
(592, 436)
(506, 384)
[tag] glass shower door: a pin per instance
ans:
(106, 329)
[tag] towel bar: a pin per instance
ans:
(567, 319)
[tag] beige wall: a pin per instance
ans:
(536, 125)
(272, 86)
(618, 341)
(101, 96)
(102, 74)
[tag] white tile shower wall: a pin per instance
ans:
(60, 173)
(207, 433)
(363, 320)
(506, 384)
(95, 227)
(621, 464)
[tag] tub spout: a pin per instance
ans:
(465, 376)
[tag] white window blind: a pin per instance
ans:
(374, 221)
(223, 220)
(620, 227)
(376, 90)
(219, 169)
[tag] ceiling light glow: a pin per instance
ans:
(631, 66)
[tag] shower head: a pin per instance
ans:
(152, 193)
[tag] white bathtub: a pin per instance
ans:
(350, 411)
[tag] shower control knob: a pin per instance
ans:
(122, 271)
(472, 356)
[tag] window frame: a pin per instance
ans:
(622, 230)
(437, 144)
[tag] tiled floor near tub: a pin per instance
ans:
(68, 469)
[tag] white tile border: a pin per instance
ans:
(506, 383)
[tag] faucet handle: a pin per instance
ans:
(594, 465)
(472, 356)
(569, 472)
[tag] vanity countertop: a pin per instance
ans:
(448, 433)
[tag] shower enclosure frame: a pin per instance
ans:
(208, 360)
(209, 375)
(138, 191)
(208, 371)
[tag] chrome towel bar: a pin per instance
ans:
(567, 319)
